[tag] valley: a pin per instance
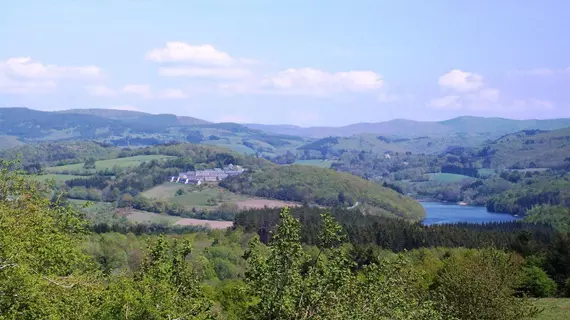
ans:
(220, 185)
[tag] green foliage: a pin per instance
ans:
(481, 286)
(289, 284)
(89, 164)
(556, 216)
(43, 275)
(59, 153)
(165, 288)
(536, 283)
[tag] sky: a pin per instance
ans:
(308, 63)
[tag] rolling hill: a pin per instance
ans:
(130, 128)
(490, 128)
(528, 149)
(308, 184)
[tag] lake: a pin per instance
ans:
(438, 213)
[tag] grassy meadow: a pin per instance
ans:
(194, 196)
(554, 308)
(448, 177)
(57, 178)
(107, 164)
(315, 163)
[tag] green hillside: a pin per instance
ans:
(50, 153)
(130, 128)
(334, 146)
(326, 187)
(528, 149)
(481, 127)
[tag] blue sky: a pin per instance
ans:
(297, 62)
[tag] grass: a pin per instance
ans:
(484, 173)
(7, 142)
(58, 178)
(108, 164)
(315, 163)
(449, 177)
(97, 212)
(194, 196)
(149, 217)
(554, 308)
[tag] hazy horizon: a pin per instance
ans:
(306, 64)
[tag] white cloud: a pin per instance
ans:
(101, 91)
(12, 86)
(461, 81)
(22, 75)
(446, 103)
(171, 94)
(25, 67)
(142, 90)
(310, 81)
(182, 52)
(200, 72)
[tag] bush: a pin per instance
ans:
(535, 282)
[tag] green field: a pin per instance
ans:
(554, 308)
(448, 177)
(484, 173)
(7, 142)
(58, 178)
(315, 163)
(149, 217)
(194, 196)
(108, 164)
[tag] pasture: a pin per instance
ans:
(315, 163)
(448, 177)
(209, 197)
(58, 179)
(107, 164)
(148, 217)
(553, 308)
(203, 197)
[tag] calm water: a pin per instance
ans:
(437, 213)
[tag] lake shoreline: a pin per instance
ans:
(450, 213)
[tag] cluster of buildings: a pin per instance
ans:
(209, 175)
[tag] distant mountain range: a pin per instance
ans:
(466, 125)
(131, 128)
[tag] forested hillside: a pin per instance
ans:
(528, 149)
(475, 127)
(128, 129)
(325, 187)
